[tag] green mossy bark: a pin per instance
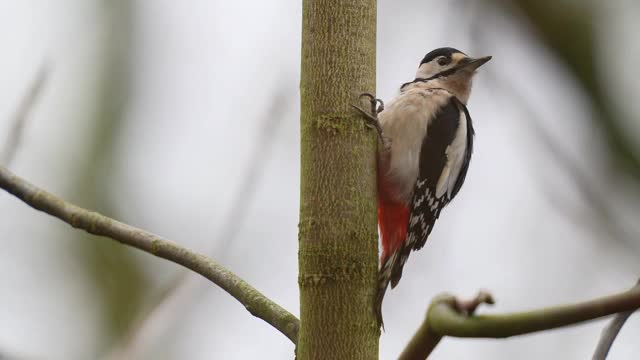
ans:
(338, 235)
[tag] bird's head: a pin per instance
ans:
(450, 69)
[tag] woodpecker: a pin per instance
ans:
(427, 141)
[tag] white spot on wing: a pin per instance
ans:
(456, 152)
(415, 219)
(455, 159)
(443, 181)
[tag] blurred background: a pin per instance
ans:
(182, 118)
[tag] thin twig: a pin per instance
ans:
(255, 302)
(21, 115)
(444, 318)
(610, 332)
(609, 335)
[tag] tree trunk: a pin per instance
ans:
(338, 236)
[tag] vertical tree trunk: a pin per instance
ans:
(338, 235)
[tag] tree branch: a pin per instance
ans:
(423, 342)
(609, 335)
(446, 318)
(97, 224)
(425, 339)
(610, 332)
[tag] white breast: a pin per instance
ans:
(407, 118)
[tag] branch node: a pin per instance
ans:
(469, 307)
(155, 246)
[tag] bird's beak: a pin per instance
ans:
(472, 64)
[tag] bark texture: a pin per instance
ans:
(338, 236)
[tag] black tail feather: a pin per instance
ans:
(383, 283)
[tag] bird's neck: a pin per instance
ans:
(459, 86)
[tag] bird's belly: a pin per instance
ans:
(405, 123)
(397, 177)
(402, 158)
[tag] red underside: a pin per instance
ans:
(393, 218)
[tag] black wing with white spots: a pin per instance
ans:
(438, 159)
(467, 154)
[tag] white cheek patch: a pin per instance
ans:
(427, 70)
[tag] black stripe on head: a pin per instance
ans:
(445, 51)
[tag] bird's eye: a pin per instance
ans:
(443, 61)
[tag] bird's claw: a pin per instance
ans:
(377, 106)
(371, 118)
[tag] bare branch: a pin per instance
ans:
(97, 224)
(609, 335)
(21, 116)
(610, 332)
(425, 340)
(445, 318)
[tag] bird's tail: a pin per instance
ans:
(383, 283)
(390, 273)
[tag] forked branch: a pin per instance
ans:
(610, 332)
(446, 318)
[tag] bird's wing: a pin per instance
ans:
(466, 159)
(443, 164)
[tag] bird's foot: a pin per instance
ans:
(376, 104)
(371, 118)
